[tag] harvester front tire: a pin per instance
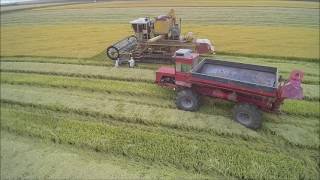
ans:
(248, 115)
(187, 100)
(113, 53)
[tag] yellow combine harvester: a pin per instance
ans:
(156, 40)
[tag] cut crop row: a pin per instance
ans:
(311, 92)
(128, 74)
(125, 111)
(136, 74)
(297, 136)
(75, 61)
(197, 156)
(285, 66)
(102, 85)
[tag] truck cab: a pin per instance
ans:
(179, 75)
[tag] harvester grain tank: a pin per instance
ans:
(251, 87)
(156, 40)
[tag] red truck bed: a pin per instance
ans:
(250, 78)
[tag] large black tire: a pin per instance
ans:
(187, 100)
(113, 53)
(247, 115)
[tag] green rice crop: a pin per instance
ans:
(136, 74)
(283, 65)
(109, 86)
(98, 60)
(304, 108)
(201, 157)
(129, 74)
(311, 92)
(124, 111)
(298, 121)
(306, 136)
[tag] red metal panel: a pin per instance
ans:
(215, 84)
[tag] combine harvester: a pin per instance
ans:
(156, 41)
(252, 87)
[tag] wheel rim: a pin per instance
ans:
(187, 102)
(244, 118)
(113, 53)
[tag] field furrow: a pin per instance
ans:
(136, 74)
(136, 143)
(100, 85)
(211, 117)
(128, 74)
(311, 92)
(124, 111)
(98, 60)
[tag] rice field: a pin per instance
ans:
(60, 94)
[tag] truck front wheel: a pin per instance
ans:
(187, 100)
(247, 115)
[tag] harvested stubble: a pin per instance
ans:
(198, 156)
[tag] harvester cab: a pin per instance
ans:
(142, 28)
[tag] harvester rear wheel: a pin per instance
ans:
(113, 53)
(247, 115)
(187, 100)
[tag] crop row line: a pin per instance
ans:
(223, 110)
(312, 60)
(77, 75)
(124, 117)
(84, 63)
(111, 91)
(201, 157)
(136, 120)
(90, 88)
(101, 64)
(122, 92)
(202, 136)
(138, 75)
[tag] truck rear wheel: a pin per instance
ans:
(247, 115)
(187, 100)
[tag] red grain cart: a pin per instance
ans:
(252, 87)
